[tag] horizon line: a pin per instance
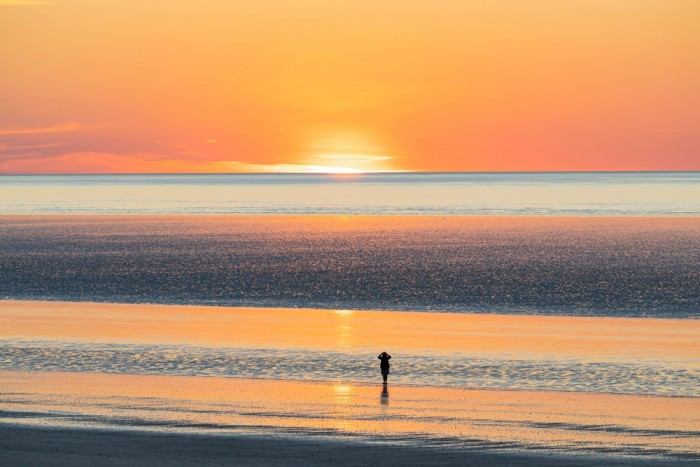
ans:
(350, 175)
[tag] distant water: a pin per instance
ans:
(594, 266)
(556, 194)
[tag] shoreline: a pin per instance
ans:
(31, 446)
(253, 306)
(489, 426)
(521, 352)
(77, 447)
(366, 385)
(104, 383)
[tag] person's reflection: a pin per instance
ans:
(384, 398)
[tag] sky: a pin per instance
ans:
(129, 86)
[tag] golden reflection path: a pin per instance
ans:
(506, 336)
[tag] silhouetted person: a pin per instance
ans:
(384, 365)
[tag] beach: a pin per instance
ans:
(85, 448)
(135, 420)
(381, 233)
(158, 376)
(253, 340)
(452, 426)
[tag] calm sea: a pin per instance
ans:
(556, 194)
(594, 265)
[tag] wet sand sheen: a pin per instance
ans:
(578, 354)
(549, 421)
(584, 337)
(156, 413)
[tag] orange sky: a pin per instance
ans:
(308, 85)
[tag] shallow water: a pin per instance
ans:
(582, 194)
(452, 370)
(576, 354)
(457, 380)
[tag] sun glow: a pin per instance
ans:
(416, 90)
(349, 164)
(328, 169)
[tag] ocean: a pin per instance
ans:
(593, 278)
(507, 194)
(568, 266)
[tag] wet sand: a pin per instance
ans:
(269, 422)
(84, 352)
(67, 396)
(31, 447)
(593, 338)
(584, 354)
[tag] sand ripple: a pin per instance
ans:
(446, 370)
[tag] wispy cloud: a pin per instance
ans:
(5, 148)
(91, 162)
(60, 128)
(105, 162)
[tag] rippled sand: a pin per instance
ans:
(591, 424)
(624, 355)
(536, 265)
(603, 384)
(123, 367)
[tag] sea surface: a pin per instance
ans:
(517, 194)
(533, 310)
(569, 266)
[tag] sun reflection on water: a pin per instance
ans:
(344, 312)
(345, 327)
(343, 396)
(342, 390)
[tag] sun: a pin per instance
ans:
(330, 169)
(349, 164)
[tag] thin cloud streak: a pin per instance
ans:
(60, 128)
(5, 148)
(102, 162)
